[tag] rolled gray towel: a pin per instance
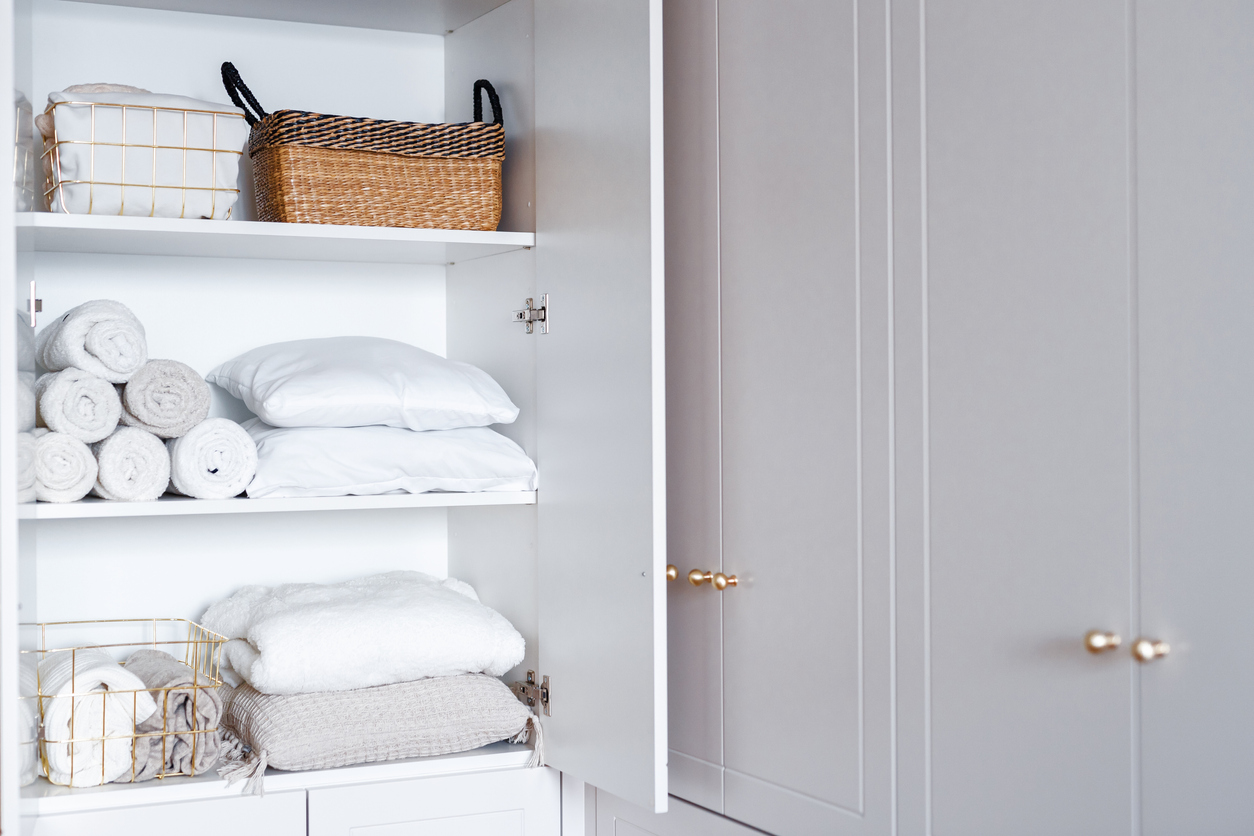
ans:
(182, 737)
(78, 403)
(216, 460)
(65, 469)
(167, 398)
(102, 337)
(134, 466)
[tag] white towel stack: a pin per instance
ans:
(102, 390)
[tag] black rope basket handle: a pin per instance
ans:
(235, 87)
(481, 85)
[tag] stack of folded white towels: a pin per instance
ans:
(383, 667)
(111, 422)
(104, 723)
(365, 415)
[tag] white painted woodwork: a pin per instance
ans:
(1195, 321)
(1025, 415)
(601, 401)
(615, 817)
(52, 233)
(43, 798)
(276, 814)
(516, 802)
(436, 17)
(177, 506)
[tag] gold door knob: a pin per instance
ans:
(1147, 650)
(672, 571)
(696, 577)
(1099, 641)
(722, 581)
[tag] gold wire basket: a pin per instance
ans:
(128, 159)
(82, 700)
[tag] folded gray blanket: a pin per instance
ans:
(102, 337)
(77, 403)
(182, 737)
(134, 466)
(435, 716)
(165, 397)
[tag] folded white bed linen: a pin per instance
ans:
(376, 630)
(78, 684)
(363, 461)
(101, 337)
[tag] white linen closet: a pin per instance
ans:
(577, 566)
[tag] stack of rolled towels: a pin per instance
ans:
(113, 423)
(108, 723)
(379, 668)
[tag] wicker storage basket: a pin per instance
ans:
(313, 168)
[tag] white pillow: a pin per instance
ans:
(362, 461)
(362, 382)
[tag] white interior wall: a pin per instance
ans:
(298, 66)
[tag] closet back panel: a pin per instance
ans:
(299, 66)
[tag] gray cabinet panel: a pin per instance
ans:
(1026, 381)
(694, 499)
(1196, 212)
(790, 398)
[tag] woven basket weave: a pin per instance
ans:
(313, 168)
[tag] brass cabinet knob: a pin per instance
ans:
(1099, 641)
(672, 571)
(722, 581)
(696, 577)
(1147, 650)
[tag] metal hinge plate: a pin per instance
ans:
(533, 695)
(33, 306)
(531, 315)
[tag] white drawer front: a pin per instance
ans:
(515, 802)
(277, 814)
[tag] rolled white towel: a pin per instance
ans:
(29, 767)
(102, 337)
(26, 407)
(80, 684)
(78, 403)
(134, 466)
(216, 460)
(26, 467)
(65, 469)
(165, 397)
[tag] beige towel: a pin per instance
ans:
(182, 737)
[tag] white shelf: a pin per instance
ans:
(43, 798)
(168, 506)
(110, 234)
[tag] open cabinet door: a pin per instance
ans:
(600, 392)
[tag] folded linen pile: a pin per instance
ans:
(90, 705)
(362, 415)
(182, 736)
(396, 665)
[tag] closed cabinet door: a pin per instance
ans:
(1196, 323)
(778, 356)
(1014, 429)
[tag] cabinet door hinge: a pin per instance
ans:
(33, 306)
(533, 695)
(530, 315)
